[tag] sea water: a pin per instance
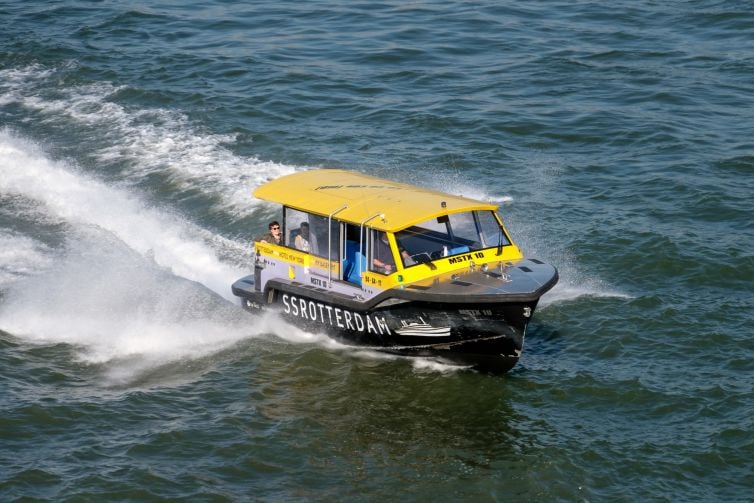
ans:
(618, 139)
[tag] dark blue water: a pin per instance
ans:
(618, 137)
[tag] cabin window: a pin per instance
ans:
(490, 231)
(464, 231)
(298, 230)
(439, 224)
(308, 232)
(450, 235)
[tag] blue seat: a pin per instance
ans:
(354, 275)
(351, 269)
(347, 266)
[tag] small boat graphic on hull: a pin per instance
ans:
(422, 328)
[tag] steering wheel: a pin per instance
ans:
(421, 258)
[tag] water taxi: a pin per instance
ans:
(396, 268)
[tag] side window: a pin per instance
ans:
(381, 257)
(308, 232)
(318, 235)
(297, 230)
(438, 225)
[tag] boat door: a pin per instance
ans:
(354, 261)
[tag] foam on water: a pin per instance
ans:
(566, 290)
(133, 287)
(21, 256)
(574, 283)
(420, 364)
(429, 365)
(79, 200)
(296, 335)
(14, 82)
(458, 185)
(118, 308)
(147, 140)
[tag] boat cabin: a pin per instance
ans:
(360, 235)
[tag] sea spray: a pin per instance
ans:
(21, 256)
(82, 201)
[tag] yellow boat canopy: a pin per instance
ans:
(399, 205)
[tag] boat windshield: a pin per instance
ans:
(450, 235)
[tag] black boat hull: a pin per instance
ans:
(487, 336)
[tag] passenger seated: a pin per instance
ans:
(302, 240)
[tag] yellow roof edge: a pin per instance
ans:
(323, 191)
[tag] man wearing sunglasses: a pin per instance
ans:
(273, 235)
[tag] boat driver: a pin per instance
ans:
(383, 256)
